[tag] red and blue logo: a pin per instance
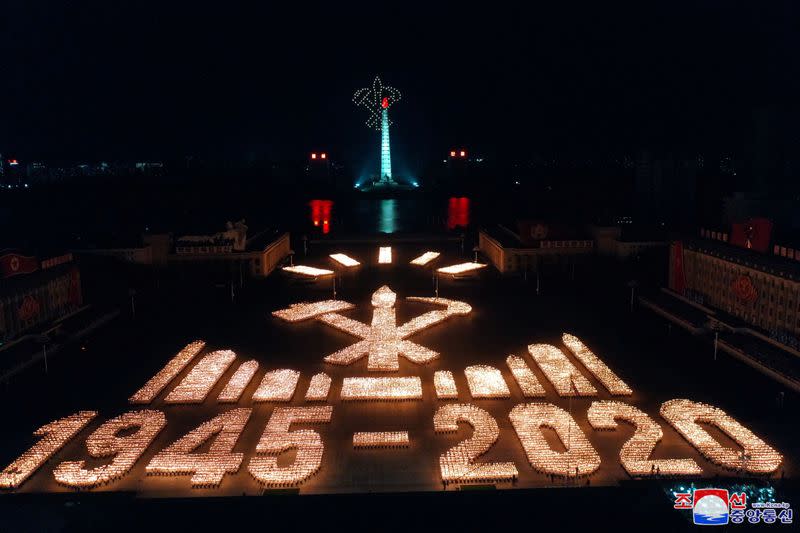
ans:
(710, 507)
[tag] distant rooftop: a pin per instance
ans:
(509, 236)
(262, 239)
(771, 264)
(636, 233)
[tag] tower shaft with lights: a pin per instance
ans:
(386, 152)
(377, 99)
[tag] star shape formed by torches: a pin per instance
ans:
(383, 341)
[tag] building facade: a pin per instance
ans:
(511, 258)
(35, 292)
(761, 290)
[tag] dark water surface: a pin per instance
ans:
(369, 215)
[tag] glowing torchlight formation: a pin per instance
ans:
(303, 311)
(377, 100)
(344, 260)
(560, 372)
(209, 468)
(461, 268)
(685, 416)
(318, 388)
(525, 378)
(425, 258)
(550, 437)
(457, 464)
(445, 385)
(383, 340)
(239, 380)
(407, 388)
(201, 379)
(104, 442)
(175, 366)
(277, 439)
(54, 436)
(579, 459)
(381, 439)
(307, 271)
(385, 255)
(635, 454)
(486, 382)
(598, 368)
(277, 386)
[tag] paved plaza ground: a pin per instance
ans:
(659, 363)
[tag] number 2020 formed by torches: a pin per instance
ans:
(193, 379)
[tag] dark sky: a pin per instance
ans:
(119, 79)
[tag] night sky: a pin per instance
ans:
(117, 79)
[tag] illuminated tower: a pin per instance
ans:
(377, 100)
(386, 151)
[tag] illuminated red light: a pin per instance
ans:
(452, 153)
(463, 153)
(313, 156)
(385, 102)
(321, 214)
(13, 162)
(323, 155)
(458, 212)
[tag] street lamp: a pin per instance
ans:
(475, 250)
(632, 284)
(716, 327)
(291, 257)
(132, 294)
(43, 340)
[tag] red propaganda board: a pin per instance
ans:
(457, 212)
(754, 234)
(12, 264)
(744, 289)
(74, 287)
(678, 281)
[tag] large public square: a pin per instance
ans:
(659, 363)
(435, 267)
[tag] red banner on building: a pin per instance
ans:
(754, 234)
(678, 281)
(12, 264)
